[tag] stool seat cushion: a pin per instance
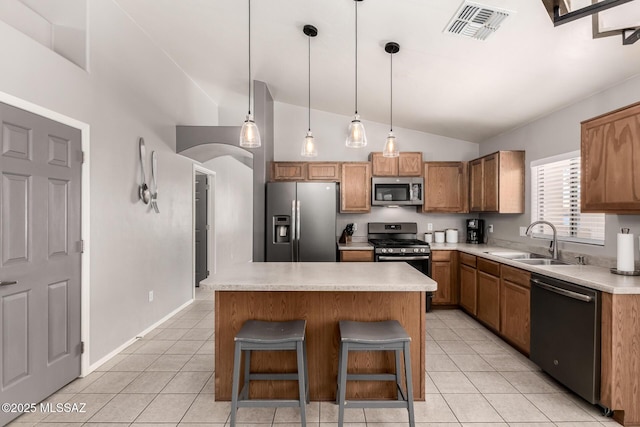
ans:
(388, 331)
(259, 331)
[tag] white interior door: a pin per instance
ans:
(40, 170)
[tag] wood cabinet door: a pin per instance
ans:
(355, 187)
(356, 256)
(491, 183)
(410, 163)
(288, 171)
(610, 157)
(323, 171)
(468, 288)
(384, 166)
(476, 185)
(515, 322)
(446, 187)
(489, 299)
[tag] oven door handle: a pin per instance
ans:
(403, 258)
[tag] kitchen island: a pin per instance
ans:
(323, 294)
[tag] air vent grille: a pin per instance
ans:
(476, 21)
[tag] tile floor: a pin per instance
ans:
(166, 379)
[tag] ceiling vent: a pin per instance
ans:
(476, 21)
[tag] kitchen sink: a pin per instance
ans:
(541, 261)
(514, 254)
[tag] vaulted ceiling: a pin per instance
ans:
(443, 84)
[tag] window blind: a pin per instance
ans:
(556, 198)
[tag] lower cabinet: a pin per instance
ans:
(356, 256)
(468, 283)
(444, 271)
(515, 296)
(488, 304)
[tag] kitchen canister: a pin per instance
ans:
(451, 235)
(439, 236)
(428, 237)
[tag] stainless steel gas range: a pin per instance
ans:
(396, 242)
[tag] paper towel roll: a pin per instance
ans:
(625, 252)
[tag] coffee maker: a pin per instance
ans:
(475, 230)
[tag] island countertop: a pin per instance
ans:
(321, 276)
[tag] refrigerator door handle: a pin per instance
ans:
(293, 231)
(298, 230)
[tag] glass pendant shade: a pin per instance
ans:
(390, 147)
(249, 134)
(309, 146)
(357, 138)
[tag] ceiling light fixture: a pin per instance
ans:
(357, 138)
(249, 134)
(391, 147)
(309, 145)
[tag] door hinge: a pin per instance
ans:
(208, 187)
(81, 156)
(81, 347)
(208, 273)
(81, 246)
(207, 227)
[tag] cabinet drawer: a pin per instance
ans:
(517, 276)
(467, 259)
(356, 256)
(323, 171)
(441, 256)
(489, 267)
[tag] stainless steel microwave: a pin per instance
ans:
(400, 191)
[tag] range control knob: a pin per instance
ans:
(416, 250)
(390, 250)
(403, 250)
(423, 250)
(383, 250)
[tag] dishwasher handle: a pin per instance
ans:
(563, 292)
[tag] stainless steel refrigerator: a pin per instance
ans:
(301, 221)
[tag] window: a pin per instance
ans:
(555, 197)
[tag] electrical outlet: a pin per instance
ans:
(429, 227)
(523, 231)
(150, 296)
(490, 228)
(355, 226)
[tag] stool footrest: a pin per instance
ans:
(273, 376)
(375, 404)
(268, 403)
(371, 377)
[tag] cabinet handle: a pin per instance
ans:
(8, 283)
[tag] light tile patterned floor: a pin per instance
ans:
(166, 379)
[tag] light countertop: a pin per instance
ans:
(590, 276)
(321, 276)
(355, 246)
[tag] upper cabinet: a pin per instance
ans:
(496, 183)
(446, 186)
(611, 162)
(305, 171)
(355, 187)
(406, 164)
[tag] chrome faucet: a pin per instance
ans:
(554, 244)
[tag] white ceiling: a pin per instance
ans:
(443, 84)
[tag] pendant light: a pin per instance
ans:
(357, 138)
(249, 134)
(391, 147)
(309, 145)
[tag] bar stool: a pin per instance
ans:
(375, 336)
(261, 335)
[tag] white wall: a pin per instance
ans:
(233, 211)
(132, 89)
(330, 131)
(557, 133)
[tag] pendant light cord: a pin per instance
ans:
(356, 2)
(309, 86)
(391, 104)
(249, 57)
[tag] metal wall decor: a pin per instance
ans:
(148, 195)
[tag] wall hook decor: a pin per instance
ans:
(154, 182)
(143, 190)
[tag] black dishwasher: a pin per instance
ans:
(565, 334)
